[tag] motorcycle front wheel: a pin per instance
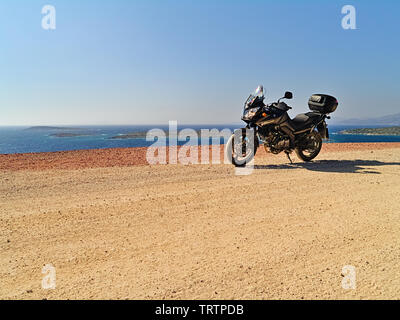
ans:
(309, 147)
(240, 151)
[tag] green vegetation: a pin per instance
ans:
(389, 131)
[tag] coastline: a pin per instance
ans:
(369, 134)
(392, 131)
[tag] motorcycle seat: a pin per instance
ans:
(304, 120)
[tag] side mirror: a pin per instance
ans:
(288, 95)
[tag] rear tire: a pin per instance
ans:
(310, 147)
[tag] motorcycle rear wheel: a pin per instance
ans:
(310, 147)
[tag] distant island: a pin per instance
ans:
(389, 131)
(47, 128)
(139, 135)
(68, 135)
(133, 135)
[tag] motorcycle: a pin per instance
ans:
(271, 126)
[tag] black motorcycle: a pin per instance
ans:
(272, 126)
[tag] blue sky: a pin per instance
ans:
(147, 62)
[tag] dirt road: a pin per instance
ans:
(202, 232)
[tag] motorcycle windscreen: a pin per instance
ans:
(257, 94)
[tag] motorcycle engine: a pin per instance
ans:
(276, 142)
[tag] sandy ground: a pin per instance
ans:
(114, 230)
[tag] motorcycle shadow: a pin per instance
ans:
(341, 166)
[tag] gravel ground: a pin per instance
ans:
(115, 230)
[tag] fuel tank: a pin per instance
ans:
(273, 119)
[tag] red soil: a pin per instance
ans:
(121, 157)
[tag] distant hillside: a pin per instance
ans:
(390, 131)
(47, 128)
(389, 120)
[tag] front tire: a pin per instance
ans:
(234, 151)
(309, 147)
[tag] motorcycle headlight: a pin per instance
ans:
(248, 114)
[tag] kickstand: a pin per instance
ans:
(288, 155)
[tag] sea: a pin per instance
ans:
(28, 140)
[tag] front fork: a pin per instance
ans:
(251, 131)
